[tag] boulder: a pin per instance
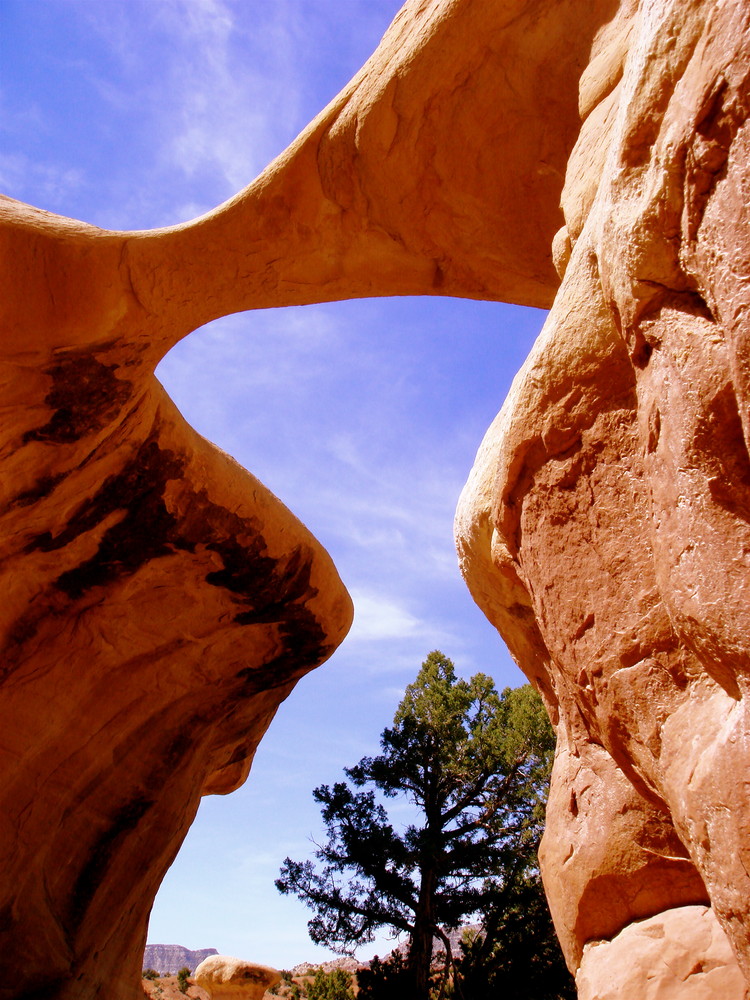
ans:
(225, 978)
(680, 953)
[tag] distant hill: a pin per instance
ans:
(170, 958)
(455, 936)
(347, 964)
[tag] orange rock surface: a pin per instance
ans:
(678, 953)
(605, 526)
(158, 604)
(604, 529)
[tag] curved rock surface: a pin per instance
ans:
(679, 953)
(225, 978)
(604, 529)
(145, 576)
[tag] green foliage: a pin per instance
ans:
(150, 974)
(385, 980)
(517, 955)
(295, 993)
(475, 765)
(182, 979)
(333, 985)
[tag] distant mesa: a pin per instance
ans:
(168, 959)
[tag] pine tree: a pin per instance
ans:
(475, 765)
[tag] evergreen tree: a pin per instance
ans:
(476, 766)
(516, 954)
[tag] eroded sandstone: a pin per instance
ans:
(604, 529)
(225, 978)
(147, 577)
(681, 953)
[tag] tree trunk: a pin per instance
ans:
(420, 948)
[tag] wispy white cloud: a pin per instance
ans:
(380, 617)
(219, 121)
(23, 175)
(210, 113)
(318, 411)
(29, 180)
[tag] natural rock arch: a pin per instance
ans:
(604, 528)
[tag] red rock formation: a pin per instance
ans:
(158, 604)
(604, 529)
(146, 578)
(680, 953)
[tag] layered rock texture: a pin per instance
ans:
(168, 959)
(604, 529)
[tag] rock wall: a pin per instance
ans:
(158, 604)
(604, 529)
(168, 959)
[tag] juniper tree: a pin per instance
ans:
(475, 765)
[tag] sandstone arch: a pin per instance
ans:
(142, 564)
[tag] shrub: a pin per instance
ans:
(182, 979)
(386, 979)
(150, 974)
(333, 985)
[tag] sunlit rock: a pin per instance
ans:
(680, 953)
(225, 978)
(159, 602)
(605, 528)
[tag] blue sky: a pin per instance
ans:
(362, 416)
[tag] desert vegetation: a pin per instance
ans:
(474, 765)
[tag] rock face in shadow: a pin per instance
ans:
(604, 530)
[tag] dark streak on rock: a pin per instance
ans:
(85, 394)
(265, 584)
(720, 441)
(273, 592)
(717, 124)
(39, 491)
(265, 590)
(146, 530)
(94, 873)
